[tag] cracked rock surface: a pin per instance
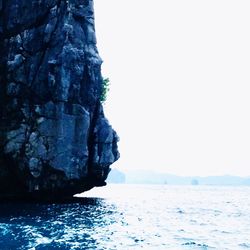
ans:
(54, 137)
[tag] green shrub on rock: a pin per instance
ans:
(105, 90)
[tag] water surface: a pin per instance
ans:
(133, 217)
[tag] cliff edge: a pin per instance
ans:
(54, 137)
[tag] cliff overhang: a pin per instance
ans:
(54, 137)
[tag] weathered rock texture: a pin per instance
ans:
(54, 138)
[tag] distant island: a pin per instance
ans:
(153, 177)
(116, 176)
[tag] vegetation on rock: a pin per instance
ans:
(105, 90)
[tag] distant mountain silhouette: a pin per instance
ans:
(153, 177)
(116, 176)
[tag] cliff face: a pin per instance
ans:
(54, 138)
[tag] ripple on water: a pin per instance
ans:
(244, 245)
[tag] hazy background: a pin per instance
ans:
(180, 83)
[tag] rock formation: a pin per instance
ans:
(54, 137)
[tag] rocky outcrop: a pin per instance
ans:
(54, 137)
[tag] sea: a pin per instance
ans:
(121, 216)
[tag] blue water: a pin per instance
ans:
(133, 217)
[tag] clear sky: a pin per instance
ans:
(180, 83)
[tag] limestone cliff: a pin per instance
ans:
(54, 137)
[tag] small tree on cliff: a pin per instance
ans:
(105, 90)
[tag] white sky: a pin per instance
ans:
(180, 83)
